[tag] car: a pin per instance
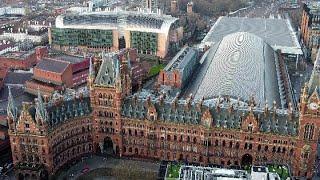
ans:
(9, 166)
(85, 170)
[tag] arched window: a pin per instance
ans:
(246, 146)
(308, 131)
(237, 145)
(230, 144)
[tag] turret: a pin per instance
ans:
(41, 115)
(12, 111)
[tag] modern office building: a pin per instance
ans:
(149, 33)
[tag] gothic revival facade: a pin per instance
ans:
(108, 118)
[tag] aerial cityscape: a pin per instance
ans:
(160, 89)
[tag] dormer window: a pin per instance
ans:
(250, 127)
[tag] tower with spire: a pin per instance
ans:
(110, 85)
(309, 122)
(28, 136)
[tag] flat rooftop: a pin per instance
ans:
(208, 173)
(278, 33)
(19, 55)
(68, 58)
(181, 59)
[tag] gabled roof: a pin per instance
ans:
(52, 65)
(109, 70)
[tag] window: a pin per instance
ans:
(308, 131)
(27, 125)
(259, 147)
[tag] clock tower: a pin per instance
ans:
(309, 123)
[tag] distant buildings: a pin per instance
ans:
(151, 5)
(149, 33)
(190, 7)
(310, 28)
(12, 11)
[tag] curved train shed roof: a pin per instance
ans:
(241, 65)
(278, 33)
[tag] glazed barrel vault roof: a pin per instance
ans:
(241, 66)
(278, 33)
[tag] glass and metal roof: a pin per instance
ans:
(278, 33)
(241, 65)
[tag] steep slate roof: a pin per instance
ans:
(315, 76)
(241, 66)
(67, 110)
(108, 71)
(225, 114)
(52, 65)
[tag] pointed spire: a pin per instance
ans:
(11, 108)
(314, 81)
(41, 112)
(129, 63)
(91, 69)
(117, 68)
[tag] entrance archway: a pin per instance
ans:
(246, 160)
(107, 145)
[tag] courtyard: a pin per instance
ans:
(107, 167)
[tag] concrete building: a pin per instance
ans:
(310, 28)
(149, 33)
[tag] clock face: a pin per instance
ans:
(313, 106)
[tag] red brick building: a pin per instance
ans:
(156, 125)
(57, 73)
(22, 59)
(310, 27)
